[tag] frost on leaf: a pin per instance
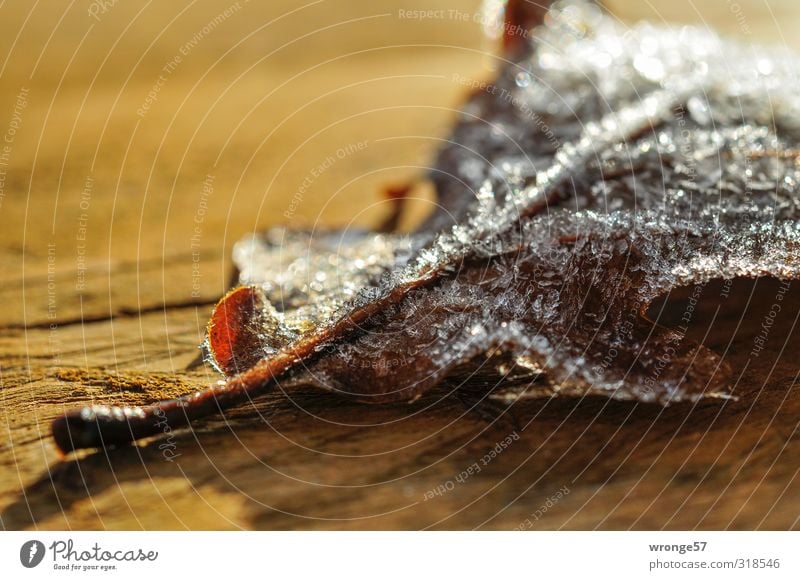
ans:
(603, 168)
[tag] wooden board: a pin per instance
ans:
(147, 138)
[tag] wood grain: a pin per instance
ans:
(117, 227)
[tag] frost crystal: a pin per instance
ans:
(605, 167)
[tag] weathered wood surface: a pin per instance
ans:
(117, 225)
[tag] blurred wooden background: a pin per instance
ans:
(142, 139)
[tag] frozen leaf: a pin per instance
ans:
(604, 167)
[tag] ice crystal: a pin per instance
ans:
(604, 167)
